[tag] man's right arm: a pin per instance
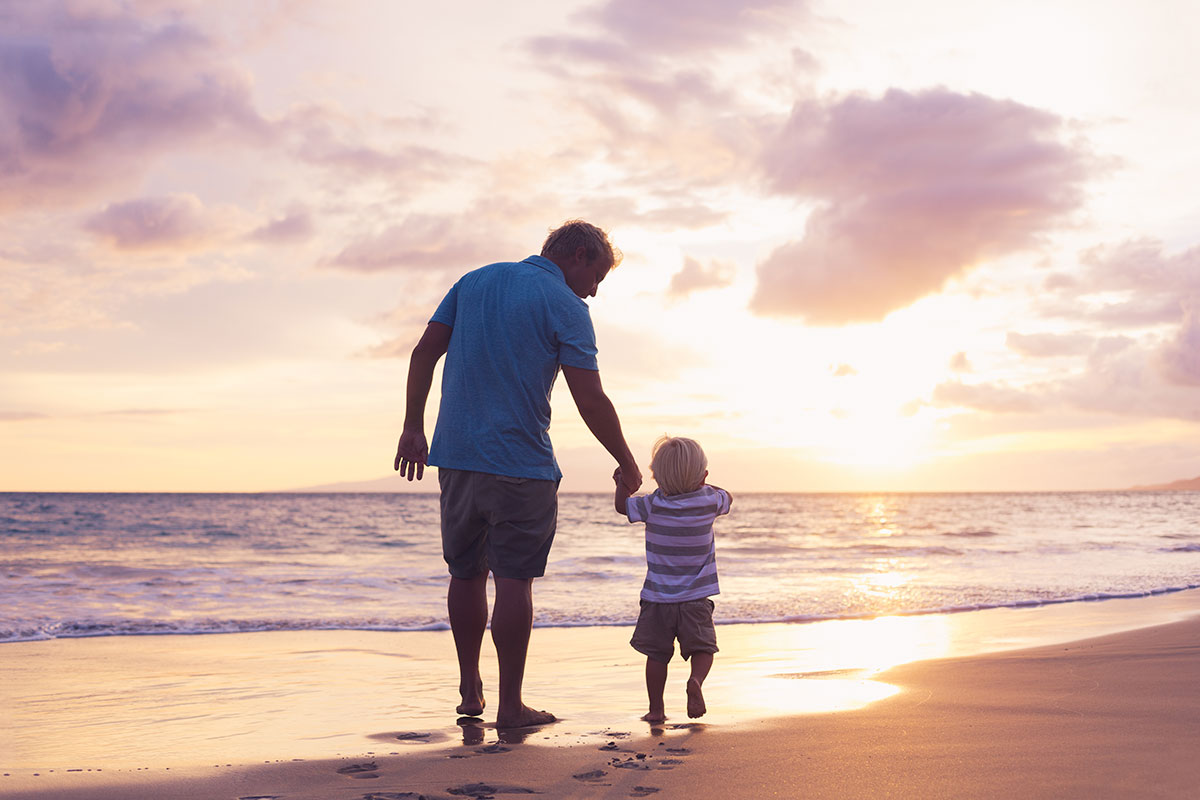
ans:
(601, 418)
(413, 450)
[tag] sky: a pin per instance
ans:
(868, 246)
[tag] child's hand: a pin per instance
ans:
(622, 493)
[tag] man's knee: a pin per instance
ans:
(513, 586)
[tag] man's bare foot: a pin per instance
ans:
(472, 704)
(524, 718)
(696, 707)
(654, 716)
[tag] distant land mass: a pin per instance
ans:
(1192, 484)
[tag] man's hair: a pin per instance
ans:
(564, 240)
(678, 464)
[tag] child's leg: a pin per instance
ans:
(701, 664)
(656, 683)
(654, 637)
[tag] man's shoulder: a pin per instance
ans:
(493, 270)
(527, 273)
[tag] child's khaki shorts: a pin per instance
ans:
(660, 624)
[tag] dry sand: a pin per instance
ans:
(1116, 716)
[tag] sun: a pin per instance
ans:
(878, 438)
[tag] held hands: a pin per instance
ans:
(411, 454)
(630, 478)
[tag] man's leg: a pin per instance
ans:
(512, 620)
(466, 601)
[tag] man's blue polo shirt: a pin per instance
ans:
(513, 324)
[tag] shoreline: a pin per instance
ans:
(244, 713)
(442, 627)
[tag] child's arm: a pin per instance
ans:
(622, 495)
(727, 494)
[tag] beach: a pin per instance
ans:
(1072, 700)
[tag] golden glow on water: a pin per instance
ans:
(775, 695)
(879, 518)
(826, 666)
(883, 583)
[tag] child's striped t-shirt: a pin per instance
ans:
(681, 559)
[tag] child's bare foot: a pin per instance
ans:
(524, 718)
(696, 707)
(655, 716)
(472, 704)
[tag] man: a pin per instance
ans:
(506, 330)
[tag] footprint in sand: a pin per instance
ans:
(595, 776)
(360, 771)
(643, 791)
(394, 796)
(679, 751)
(482, 791)
(494, 748)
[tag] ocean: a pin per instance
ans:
(83, 565)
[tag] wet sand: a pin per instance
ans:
(902, 707)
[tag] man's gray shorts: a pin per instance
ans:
(496, 522)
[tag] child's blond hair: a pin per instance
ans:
(678, 464)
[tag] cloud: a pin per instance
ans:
(498, 226)
(405, 324)
(960, 363)
(695, 277)
(141, 412)
(174, 221)
(911, 189)
(20, 416)
(1049, 345)
(674, 88)
(297, 226)
(1120, 376)
(636, 31)
(325, 138)
(1138, 286)
(992, 398)
(90, 93)
(1132, 284)
(395, 347)
(661, 213)
(1179, 357)
(421, 241)
(1141, 265)
(673, 218)
(1126, 376)
(843, 371)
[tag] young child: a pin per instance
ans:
(681, 568)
